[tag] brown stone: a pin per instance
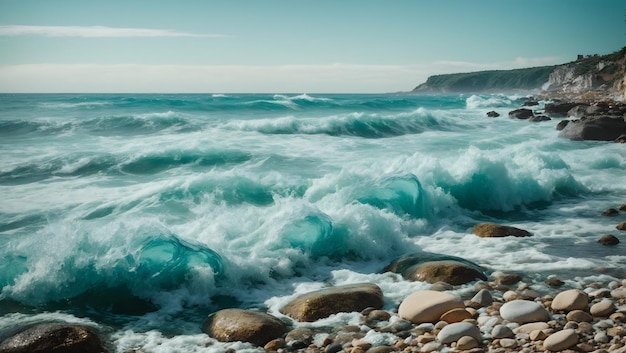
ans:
(53, 338)
(579, 316)
(610, 212)
(573, 299)
(554, 282)
(452, 272)
(508, 279)
(231, 325)
(608, 239)
(325, 302)
(492, 230)
(455, 315)
(427, 306)
(621, 226)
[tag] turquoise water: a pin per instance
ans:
(142, 214)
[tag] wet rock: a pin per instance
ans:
(508, 278)
(493, 114)
(427, 306)
(621, 226)
(554, 282)
(492, 230)
(610, 212)
(561, 340)
(53, 338)
(230, 325)
(433, 268)
(539, 118)
(521, 113)
(530, 103)
(578, 111)
(523, 311)
(562, 124)
(599, 128)
(621, 139)
(559, 109)
(325, 302)
(569, 300)
(452, 332)
(608, 239)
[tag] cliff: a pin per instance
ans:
(598, 75)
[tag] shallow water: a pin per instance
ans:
(142, 214)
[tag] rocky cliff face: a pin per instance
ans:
(602, 75)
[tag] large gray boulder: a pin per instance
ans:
(230, 325)
(53, 338)
(599, 128)
(432, 268)
(320, 304)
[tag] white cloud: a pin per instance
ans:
(97, 78)
(95, 32)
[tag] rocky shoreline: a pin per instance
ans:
(503, 313)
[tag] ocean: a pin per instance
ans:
(140, 215)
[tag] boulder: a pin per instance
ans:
(573, 299)
(538, 118)
(521, 113)
(561, 340)
(492, 230)
(608, 239)
(621, 139)
(610, 212)
(452, 332)
(320, 304)
(230, 325)
(559, 109)
(523, 311)
(53, 338)
(493, 114)
(433, 268)
(578, 111)
(427, 306)
(530, 103)
(598, 128)
(621, 226)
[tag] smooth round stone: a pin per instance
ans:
(601, 337)
(523, 311)
(602, 308)
(528, 328)
(452, 332)
(502, 331)
(561, 340)
(431, 347)
(456, 315)
(427, 306)
(508, 343)
(466, 343)
(537, 335)
(619, 293)
(483, 297)
(569, 300)
(579, 316)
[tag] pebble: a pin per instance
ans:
(466, 342)
(456, 315)
(431, 347)
(561, 340)
(452, 332)
(573, 299)
(602, 308)
(619, 293)
(427, 306)
(528, 328)
(502, 331)
(508, 343)
(579, 316)
(483, 297)
(523, 311)
(537, 335)
(601, 337)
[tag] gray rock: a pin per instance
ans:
(523, 311)
(452, 332)
(599, 128)
(521, 113)
(502, 331)
(483, 297)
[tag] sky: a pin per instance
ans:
(290, 46)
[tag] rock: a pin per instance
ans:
(431, 347)
(320, 304)
(559, 109)
(608, 239)
(621, 139)
(623, 208)
(455, 315)
(533, 326)
(299, 337)
(378, 315)
(483, 297)
(579, 316)
(562, 124)
(521, 113)
(493, 114)
(333, 348)
(599, 128)
(466, 343)
(537, 335)
(53, 338)
(492, 230)
(427, 306)
(554, 282)
(230, 325)
(621, 226)
(502, 331)
(561, 340)
(538, 118)
(508, 343)
(508, 278)
(530, 103)
(569, 300)
(274, 344)
(433, 268)
(578, 111)
(603, 308)
(610, 212)
(523, 311)
(452, 332)
(619, 293)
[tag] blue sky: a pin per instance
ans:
(272, 46)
